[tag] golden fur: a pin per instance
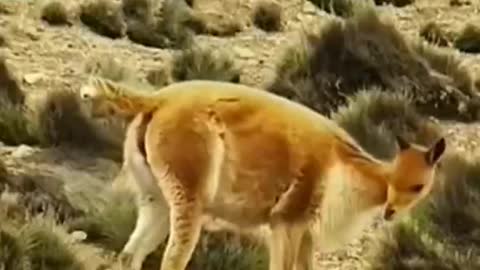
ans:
(256, 159)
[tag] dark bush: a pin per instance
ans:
(267, 15)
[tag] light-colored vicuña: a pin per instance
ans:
(253, 158)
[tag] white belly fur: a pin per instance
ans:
(345, 211)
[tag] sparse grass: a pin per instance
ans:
(397, 3)
(104, 17)
(55, 13)
(267, 15)
(203, 63)
(468, 40)
(374, 117)
(343, 8)
(364, 51)
(433, 33)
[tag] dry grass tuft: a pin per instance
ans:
(104, 17)
(203, 63)
(174, 26)
(373, 117)
(343, 8)
(444, 63)
(364, 51)
(55, 13)
(468, 39)
(396, 3)
(267, 15)
(109, 218)
(434, 34)
(38, 243)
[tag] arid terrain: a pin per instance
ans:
(56, 166)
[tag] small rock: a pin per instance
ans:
(32, 78)
(244, 52)
(78, 236)
(22, 151)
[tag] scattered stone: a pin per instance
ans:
(22, 151)
(32, 78)
(78, 236)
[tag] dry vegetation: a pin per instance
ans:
(365, 51)
(359, 69)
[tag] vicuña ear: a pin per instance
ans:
(436, 151)
(402, 143)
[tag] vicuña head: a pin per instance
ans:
(412, 175)
(108, 98)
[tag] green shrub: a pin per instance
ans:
(55, 13)
(201, 63)
(174, 27)
(267, 15)
(104, 17)
(469, 39)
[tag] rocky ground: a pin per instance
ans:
(46, 57)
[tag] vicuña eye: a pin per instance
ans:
(416, 188)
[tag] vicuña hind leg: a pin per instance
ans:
(185, 228)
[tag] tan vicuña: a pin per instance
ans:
(255, 159)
